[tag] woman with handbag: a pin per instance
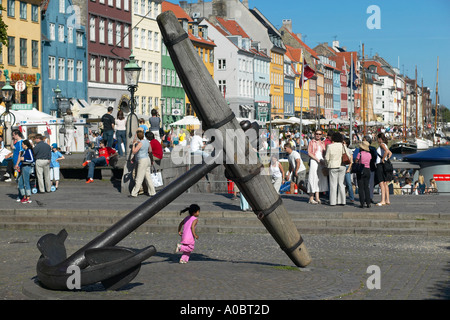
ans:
(336, 157)
(383, 155)
(317, 182)
(363, 174)
(141, 149)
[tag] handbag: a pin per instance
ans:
(325, 171)
(345, 159)
(357, 167)
(156, 178)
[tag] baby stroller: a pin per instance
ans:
(33, 180)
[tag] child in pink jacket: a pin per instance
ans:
(188, 234)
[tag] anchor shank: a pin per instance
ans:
(144, 212)
(214, 112)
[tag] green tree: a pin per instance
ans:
(3, 29)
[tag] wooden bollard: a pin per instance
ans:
(211, 107)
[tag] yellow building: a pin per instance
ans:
(205, 48)
(21, 59)
(277, 84)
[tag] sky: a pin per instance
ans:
(410, 33)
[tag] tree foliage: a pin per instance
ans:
(3, 29)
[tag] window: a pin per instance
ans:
(79, 71)
(51, 31)
(222, 64)
(136, 38)
(79, 39)
(11, 50)
(118, 34)
(34, 13)
(150, 40)
(223, 86)
(110, 71)
(92, 29)
(101, 31)
(61, 68)
(61, 33)
(70, 34)
(156, 41)
(119, 4)
(62, 6)
(126, 5)
(51, 68)
(23, 10)
(70, 69)
(143, 44)
(119, 72)
(163, 80)
(102, 69)
(156, 74)
(11, 8)
(126, 39)
(110, 33)
(34, 53)
(143, 7)
(23, 52)
(92, 67)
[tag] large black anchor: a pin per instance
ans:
(101, 261)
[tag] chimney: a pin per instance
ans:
(299, 35)
(335, 44)
(287, 23)
(245, 3)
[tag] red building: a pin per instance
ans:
(342, 66)
(109, 39)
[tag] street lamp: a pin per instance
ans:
(7, 93)
(57, 93)
(132, 73)
(7, 117)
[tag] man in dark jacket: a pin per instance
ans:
(108, 127)
(43, 155)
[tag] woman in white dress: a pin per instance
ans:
(317, 182)
(276, 173)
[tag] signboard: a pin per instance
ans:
(442, 177)
(22, 106)
(20, 85)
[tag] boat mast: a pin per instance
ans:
(404, 109)
(423, 113)
(437, 87)
(417, 106)
(363, 92)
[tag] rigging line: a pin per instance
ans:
(126, 35)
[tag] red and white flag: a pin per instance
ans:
(308, 73)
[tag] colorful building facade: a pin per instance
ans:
(21, 59)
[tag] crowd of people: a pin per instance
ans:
(32, 160)
(336, 170)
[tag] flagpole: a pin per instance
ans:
(301, 102)
(351, 101)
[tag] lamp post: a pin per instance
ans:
(7, 118)
(132, 73)
(57, 93)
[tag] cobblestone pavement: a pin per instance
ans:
(249, 267)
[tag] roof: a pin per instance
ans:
(302, 44)
(380, 70)
(176, 9)
(181, 14)
(232, 27)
